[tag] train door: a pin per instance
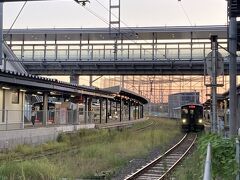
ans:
(192, 115)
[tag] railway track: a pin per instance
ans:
(161, 167)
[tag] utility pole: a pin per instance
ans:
(233, 13)
(233, 74)
(214, 47)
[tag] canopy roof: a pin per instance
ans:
(124, 92)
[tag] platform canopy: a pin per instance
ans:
(36, 84)
(118, 90)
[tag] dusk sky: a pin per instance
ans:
(67, 13)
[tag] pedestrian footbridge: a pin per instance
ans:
(133, 51)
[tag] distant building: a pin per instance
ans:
(175, 101)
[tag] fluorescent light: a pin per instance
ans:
(6, 88)
(39, 92)
(72, 96)
(22, 90)
(52, 93)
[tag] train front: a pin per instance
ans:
(192, 117)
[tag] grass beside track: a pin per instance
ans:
(223, 159)
(100, 152)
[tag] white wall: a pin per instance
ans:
(14, 112)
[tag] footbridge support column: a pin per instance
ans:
(74, 79)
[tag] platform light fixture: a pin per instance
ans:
(39, 92)
(5, 88)
(52, 93)
(22, 90)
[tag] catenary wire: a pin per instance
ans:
(107, 22)
(15, 20)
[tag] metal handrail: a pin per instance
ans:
(207, 168)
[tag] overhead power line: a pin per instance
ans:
(185, 12)
(107, 22)
(15, 20)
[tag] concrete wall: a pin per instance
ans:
(10, 139)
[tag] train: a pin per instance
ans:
(192, 117)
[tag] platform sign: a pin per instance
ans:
(220, 64)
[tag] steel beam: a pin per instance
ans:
(129, 110)
(86, 110)
(120, 109)
(138, 111)
(45, 108)
(135, 111)
(100, 113)
(106, 110)
(90, 112)
(126, 67)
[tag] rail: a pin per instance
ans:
(164, 164)
(207, 168)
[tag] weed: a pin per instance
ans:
(100, 152)
(223, 159)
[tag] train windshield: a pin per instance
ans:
(184, 112)
(192, 111)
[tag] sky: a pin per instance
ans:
(134, 13)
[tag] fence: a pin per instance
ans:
(207, 168)
(20, 119)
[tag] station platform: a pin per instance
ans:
(36, 135)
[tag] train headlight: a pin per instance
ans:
(200, 121)
(184, 121)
